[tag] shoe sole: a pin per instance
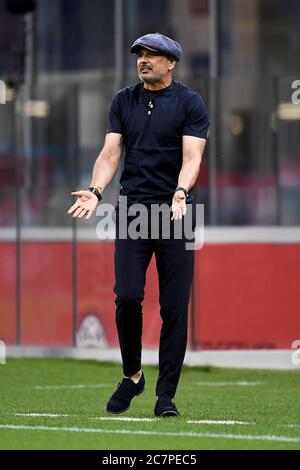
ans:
(123, 411)
(165, 414)
(116, 412)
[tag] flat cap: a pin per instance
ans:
(158, 42)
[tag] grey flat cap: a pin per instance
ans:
(158, 42)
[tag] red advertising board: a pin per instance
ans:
(245, 295)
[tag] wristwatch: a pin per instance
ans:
(96, 191)
(179, 188)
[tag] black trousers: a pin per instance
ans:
(175, 266)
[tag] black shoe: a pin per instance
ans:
(121, 398)
(165, 407)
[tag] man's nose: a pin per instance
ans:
(143, 58)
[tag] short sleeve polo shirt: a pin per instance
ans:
(152, 124)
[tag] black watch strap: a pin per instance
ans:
(179, 188)
(96, 191)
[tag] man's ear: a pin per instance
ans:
(172, 64)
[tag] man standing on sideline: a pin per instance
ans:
(162, 126)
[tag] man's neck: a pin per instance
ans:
(158, 85)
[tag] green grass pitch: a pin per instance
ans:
(59, 404)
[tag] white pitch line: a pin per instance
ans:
(290, 425)
(95, 418)
(142, 420)
(83, 386)
(42, 415)
(58, 387)
(123, 418)
(211, 421)
(244, 437)
(241, 383)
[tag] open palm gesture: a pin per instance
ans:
(85, 204)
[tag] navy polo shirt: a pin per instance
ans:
(152, 124)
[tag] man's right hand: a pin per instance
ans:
(85, 205)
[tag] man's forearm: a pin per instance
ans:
(104, 170)
(188, 173)
(192, 151)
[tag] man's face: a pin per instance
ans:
(152, 67)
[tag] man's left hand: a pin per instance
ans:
(178, 205)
